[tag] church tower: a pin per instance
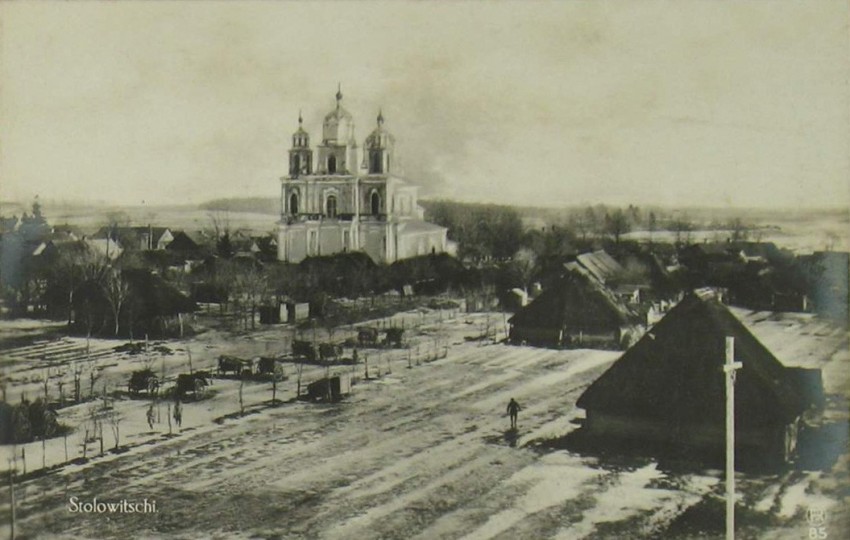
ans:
(338, 151)
(379, 149)
(300, 155)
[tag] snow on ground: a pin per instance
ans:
(423, 452)
(557, 478)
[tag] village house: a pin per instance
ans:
(669, 388)
(339, 199)
(141, 238)
(578, 311)
(757, 252)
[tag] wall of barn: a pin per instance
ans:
(535, 335)
(592, 338)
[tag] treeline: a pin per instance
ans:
(488, 232)
(482, 231)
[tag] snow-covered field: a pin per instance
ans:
(421, 452)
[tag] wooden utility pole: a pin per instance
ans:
(12, 500)
(729, 369)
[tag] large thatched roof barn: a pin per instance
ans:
(670, 387)
(578, 311)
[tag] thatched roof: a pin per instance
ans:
(675, 372)
(577, 300)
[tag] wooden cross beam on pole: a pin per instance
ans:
(729, 369)
(12, 500)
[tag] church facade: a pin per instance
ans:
(340, 198)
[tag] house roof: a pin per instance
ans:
(765, 250)
(676, 372)
(182, 242)
(122, 232)
(576, 300)
(711, 249)
(601, 265)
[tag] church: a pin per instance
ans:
(340, 197)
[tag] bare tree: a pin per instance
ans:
(652, 225)
(525, 260)
(45, 384)
(277, 375)
(86, 433)
(60, 384)
(617, 224)
(252, 289)
(117, 219)
(94, 376)
(220, 221)
(105, 397)
(738, 229)
(682, 226)
(117, 291)
(114, 419)
(76, 264)
(78, 375)
(96, 431)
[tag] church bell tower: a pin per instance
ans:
(379, 148)
(300, 155)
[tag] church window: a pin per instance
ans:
(376, 204)
(375, 163)
(293, 204)
(296, 164)
(331, 206)
(331, 164)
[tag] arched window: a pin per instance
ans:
(331, 206)
(375, 163)
(293, 204)
(296, 164)
(331, 164)
(376, 204)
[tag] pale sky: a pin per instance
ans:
(676, 103)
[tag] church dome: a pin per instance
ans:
(339, 124)
(380, 137)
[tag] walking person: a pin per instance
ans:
(178, 413)
(150, 415)
(513, 411)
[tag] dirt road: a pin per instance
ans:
(420, 453)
